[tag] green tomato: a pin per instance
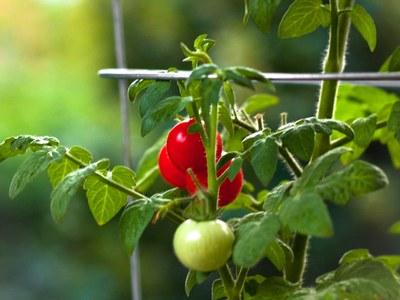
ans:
(203, 246)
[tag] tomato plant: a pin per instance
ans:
(274, 222)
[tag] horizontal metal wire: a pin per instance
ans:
(377, 79)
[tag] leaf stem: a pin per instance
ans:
(291, 161)
(118, 186)
(211, 159)
(344, 140)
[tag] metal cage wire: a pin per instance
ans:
(122, 74)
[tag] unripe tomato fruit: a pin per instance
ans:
(186, 150)
(228, 190)
(169, 171)
(203, 246)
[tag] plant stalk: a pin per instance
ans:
(334, 62)
(211, 159)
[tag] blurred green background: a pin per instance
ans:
(50, 51)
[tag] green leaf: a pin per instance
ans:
(242, 201)
(133, 222)
(234, 168)
(61, 196)
(364, 129)
(17, 145)
(259, 103)
(253, 237)
(354, 255)
(152, 95)
(262, 12)
(163, 111)
(137, 87)
(60, 168)
(339, 126)
(365, 25)
(354, 180)
(273, 288)
(276, 197)
(276, 255)
(35, 164)
(217, 290)
(392, 64)
(302, 17)
(314, 172)
(194, 278)
(225, 118)
(105, 201)
(210, 91)
(201, 72)
(299, 141)
(391, 261)
(363, 279)
(395, 228)
(264, 159)
(306, 213)
(394, 120)
(236, 77)
(147, 168)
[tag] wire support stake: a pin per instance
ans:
(369, 78)
(125, 122)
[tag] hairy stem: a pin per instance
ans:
(230, 285)
(211, 158)
(334, 62)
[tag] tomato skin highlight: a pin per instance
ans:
(186, 150)
(169, 171)
(228, 190)
(203, 246)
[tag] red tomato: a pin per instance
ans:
(228, 190)
(169, 171)
(186, 150)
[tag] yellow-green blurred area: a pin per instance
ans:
(50, 51)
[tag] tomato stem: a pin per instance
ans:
(210, 148)
(334, 62)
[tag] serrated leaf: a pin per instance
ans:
(264, 159)
(226, 119)
(35, 164)
(394, 120)
(391, 261)
(354, 255)
(163, 111)
(272, 288)
(17, 145)
(194, 278)
(306, 213)
(201, 72)
(60, 168)
(259, 103)
(242, 201)
(302, 17)
(61, 196)
(276, 255)
(367, 279)
(253, 237)
(355, 180)
(262, 12)
(105, 201)
(392, 63)
(234, 168)
(137, 87)
(133, 222)
(299, 141)
(276, 197)
(315, 171)
(364, 129)
(217, 290)
(365, 25)
(152, 95)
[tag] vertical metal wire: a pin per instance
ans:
(126, 135)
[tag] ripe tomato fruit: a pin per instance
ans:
(169, 171)
(203, 246)
(186, 150)
(228, 190)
